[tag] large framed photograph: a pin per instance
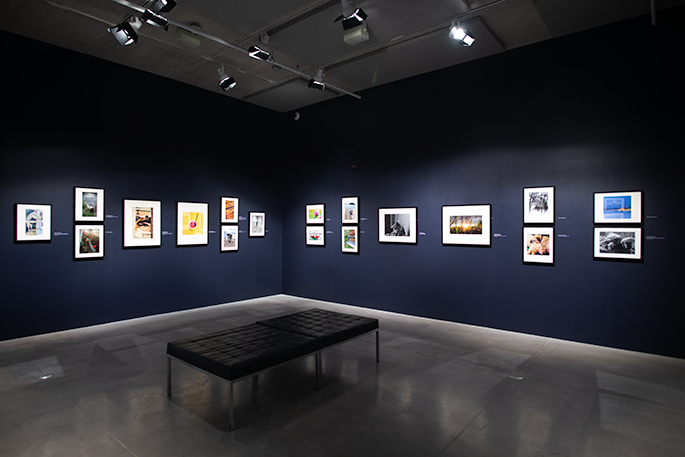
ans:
(397, 225)
(622, 243)
(315, 214)
(466, 225)
(142, 223)
(89, 241)
(618, 207)
(191, 223)
(33, 222)
(538, 205)
(350, 210)
(538, 245)
(315, 235)
(350, 241)
(229, 210)
(229, 238)
(89, 204)
(257, 224)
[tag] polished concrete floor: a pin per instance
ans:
(440, 389)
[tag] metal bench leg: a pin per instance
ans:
(231, 420)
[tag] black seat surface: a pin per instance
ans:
(328, 327)
(238, 352)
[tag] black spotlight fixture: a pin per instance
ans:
(259, 53)
(226, 82)
(317, 81)
(162, 6)
(461, 35)
(351, 16)
(125, 32)
(152, 18)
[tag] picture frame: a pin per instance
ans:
(466, 225)
(538, 205)
(89, 204)
(89, 241)
(350, 239)
(618, 207)
(191, 223)
(316, 235)
(142, 223)
(618, 243)
(397, 225)
(229, 238)
(350, 210)
(257, 224)
(316, 214)
(229, 210)
(32, 222)
(538, 245)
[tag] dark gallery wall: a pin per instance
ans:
(73, 120)
(597, 111)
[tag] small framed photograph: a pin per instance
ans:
(397, 225)
(315, 235)
(229, 238)
(538, 245)
(33, 222)
(89, 241)
(538, 205)
(350, 241)
(618, 207)
(142, 223)
(466, 225)
(89, 204)
(315, 214)
(350, 210)
(229, 210)
(618, 243)
(191, 223)
(257, 224)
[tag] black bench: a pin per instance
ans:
(237, 353)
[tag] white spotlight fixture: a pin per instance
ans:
(226, 82)
(461, 35)
(162, 6)
(317, 81)
(126, 32)
(152, 18)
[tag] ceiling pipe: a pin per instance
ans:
(140, 9)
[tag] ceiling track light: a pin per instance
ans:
(317, 81)
(351, 16)
(461, 35)
(226, 82)
(162, 6)
(126, 32)
(152, 18)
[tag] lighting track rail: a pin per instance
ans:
(233, 46)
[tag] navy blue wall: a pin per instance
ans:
(592, 112)
(70, 130)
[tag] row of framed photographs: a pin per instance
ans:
(316, 213)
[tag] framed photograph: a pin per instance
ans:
(229, 238)
(229, 210)
(142, 223)
(618, 243)
(397, 225)
(315, 235)
(315, 214)
(350, 210)
(538, 245)
(89, 241)
(350, 242)
(33, 222)
(191, 223)
(466, 225)
(538, 205)
(257, 224)
(618, 207)
(89, 204)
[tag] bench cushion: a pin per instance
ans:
(234, 353)
(328, 327)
